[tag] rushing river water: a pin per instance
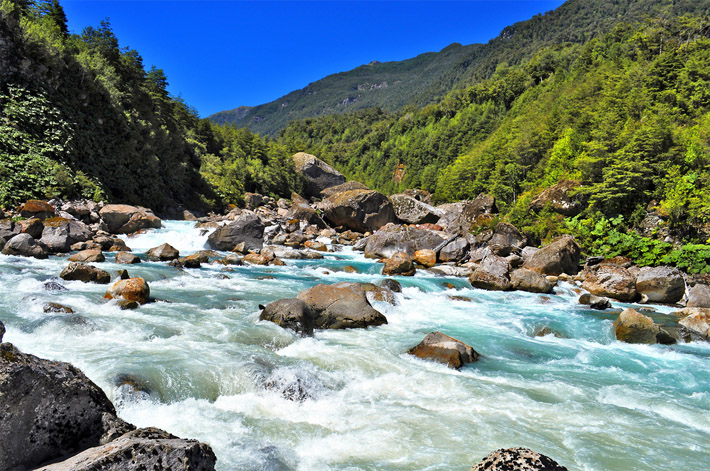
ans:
(586, 400)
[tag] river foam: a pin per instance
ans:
(266, 399)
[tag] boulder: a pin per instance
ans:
(32, 226)
(560, 198)
(303, 212)
(253, 200)
(163, 253)
(126, 219)
(698, 296)
(49, 410)
(391, 285)
(8, 230)
(444, 349)
(341, 306)
(399, 264)
(425, 257)
(318, 174)
(60, 234)
(532, 281)
(695, 323)
(86, 273)
(633, 327)
(290, 314)
(661, 284)
(458, 218)
(131, 289)
(246, 228)
(358, 210)
(139, 450)
(561, 256)
(55, 307)
(88, 256)
(612, 281)
(347, 186)
(255, 259)
(455, 251)
(419, 195)
(507, 236)
(517, 459)
(24, 245)
(2, 331)
(394, 238)
(37, 209)
(595, 302)
(491, 274)
(127, 258)
(413, 211)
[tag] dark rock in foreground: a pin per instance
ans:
(444, 349)
(291, 314)
(517, 459)
(142, 449)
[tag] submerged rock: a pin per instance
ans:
(127, 258)
(517, 459)
(444, 349)
(2, 331)
(86, 273)
(341, 306)
(595, 302)
(55, 307)
(290, 314)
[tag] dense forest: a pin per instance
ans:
(82, 117)
(427, 78)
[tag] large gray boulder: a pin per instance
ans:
(491, 274)
(59, 234)
(318, 174)
(699, 296)
(290, 313)
(459, 217)
(517, 459)
(456, 250)
(8, 230)
(395, 238)
(141, 450)
(412, 211)
(611, 281)
(49, 409)
(246, 228)
(660, 284)
(347, 186)
(163, 253)
(37, 209)
(532, 281)
(24, 245)
(126, 219)
(358, 210)
(561, 256)
(507, 236)
(444, 349)
(341, 306)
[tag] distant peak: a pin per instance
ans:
(374, 63)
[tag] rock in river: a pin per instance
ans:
(86, 273)
(131, 289)
(125, 219)
(561, 256)
(341, 306)
(661, 284)
(291, 314)
(246, 228)
(517, 459)
(444, 349)
(358, 210)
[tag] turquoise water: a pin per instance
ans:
(590, 402)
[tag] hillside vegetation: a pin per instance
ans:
(82, 117)
(427, 78)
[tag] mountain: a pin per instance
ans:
(426, 78)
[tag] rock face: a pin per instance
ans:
(49, 409)
(560, 198)
(358, 210)
(125, 219)
(86, 273)
(247, 228)
(612, 281)
(399, 264)
(88, 256)
(699, 296)
(412, 211)
(25, 245)
(696, 323)
(561, 256)
(633, 327)
(532, 281)
(60, 234)
(394, 238)
(341, 306)
(131, 289)
(163, 253)
(517, 459)
(444, 349)
(661, 284)
(290, 314)
(347, 186)
(319, 175)
(142, 449)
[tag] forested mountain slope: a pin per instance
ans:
(425, 79)
(626, 114)
(81, 117)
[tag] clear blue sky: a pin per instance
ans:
(220, 54)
